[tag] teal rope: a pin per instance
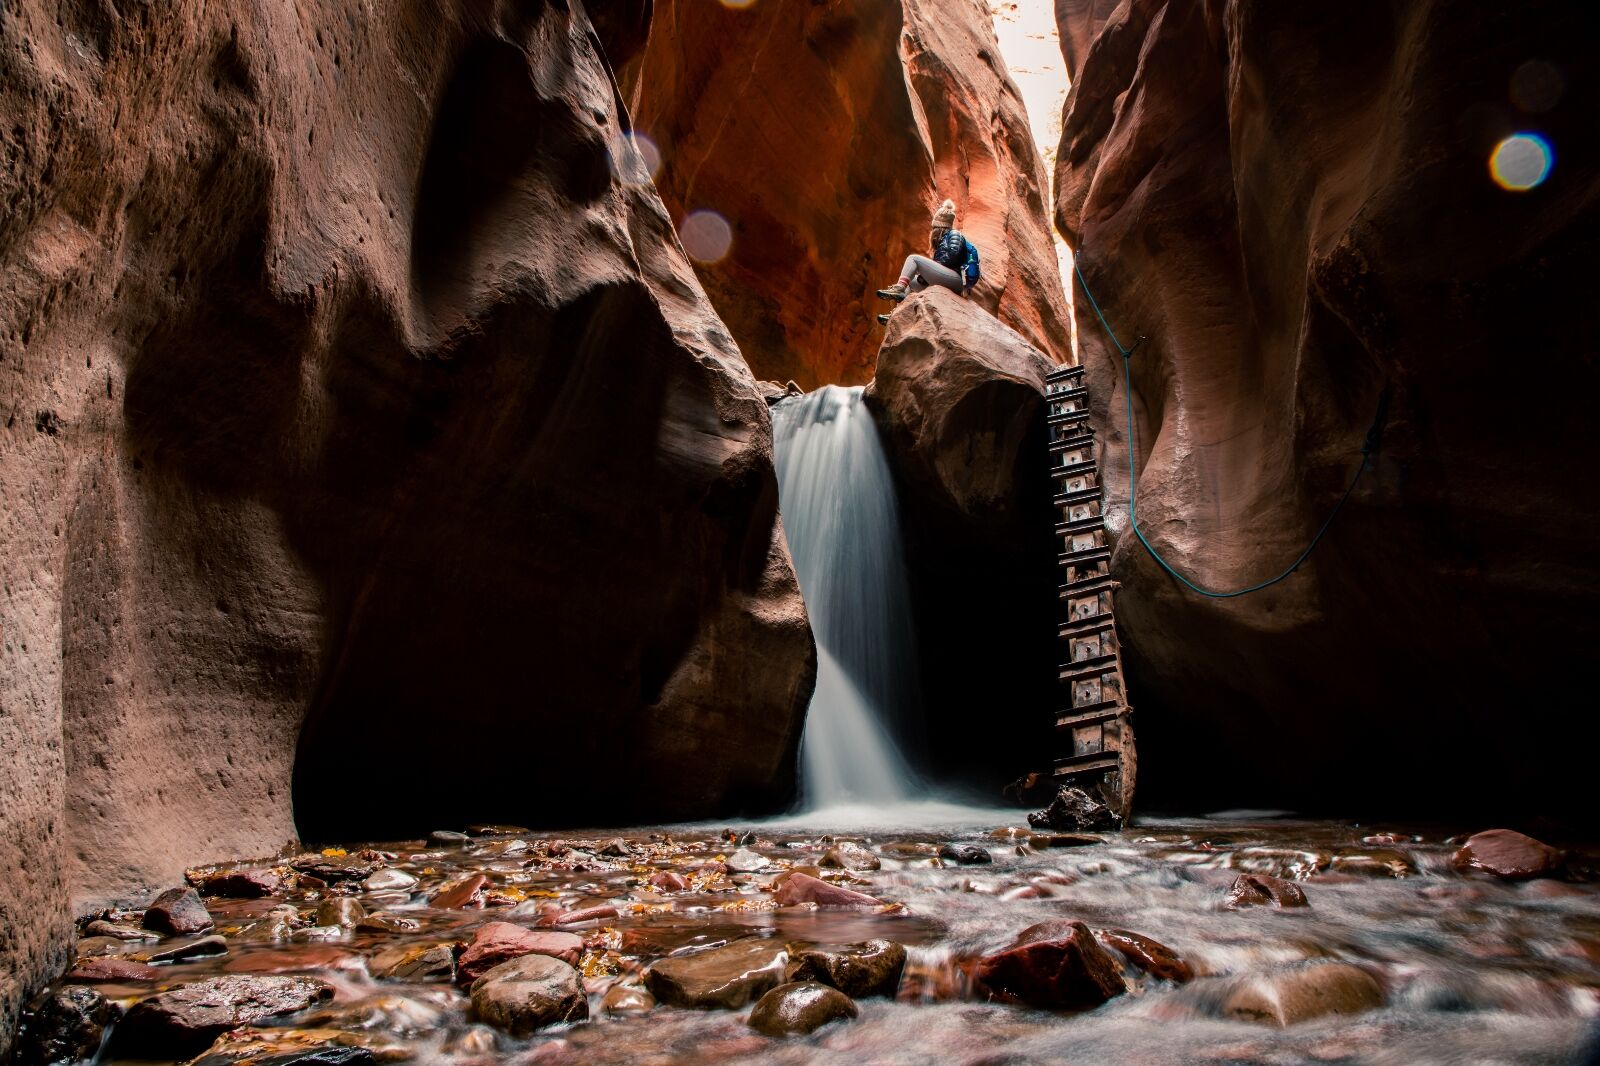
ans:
(1368, 446)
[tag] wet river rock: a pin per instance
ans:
(249, 883)
(341, 911)
(965, 854)
(67, 1026)
(414, 962)
(1292, 996)
(177, 911)
(871, 968)
(1507, 854)
(500, 942)
(1256, 890)
(800, 1007)
(93, 971)
(468, 892)
(720, 979)
(1068, 971)
(1151, 956)
(800, 888)
(529, 993)
(1075, 811)
(851, 856)
(183, 1020)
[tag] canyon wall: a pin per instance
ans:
(371, 457)
(823, 134)
(1293, 204)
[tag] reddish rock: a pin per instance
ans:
(291, 960)
(722, 978)
(1071, 972)
(1151, 956)
(178, 912)
(91, 971)
(183, 1020)
(907, 102)
(802, 888)
(1254, 890)
(599, 913)
(669, 881)
(870, 968)
(528, 993)
(1291, 236)
(251, 883)
(1292, 996)
(466, 893)
(800, 1007)
(500, 942)
(1508, 855)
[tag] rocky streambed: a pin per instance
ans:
(979, 943)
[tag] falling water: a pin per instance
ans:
(844, 534)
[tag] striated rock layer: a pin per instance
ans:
(825, 133)
(959, 400)
(1292, 202)
(343, 382)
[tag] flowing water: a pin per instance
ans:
(1472, 970)
(840, 518)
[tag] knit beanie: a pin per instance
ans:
(945, 217)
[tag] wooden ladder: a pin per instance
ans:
(1093, 720)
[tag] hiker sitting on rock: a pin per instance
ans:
(954, 264)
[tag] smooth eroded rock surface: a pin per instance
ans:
(1294, 996)
(356, 402)
(870, 968)
(1293, 204)
(719, 979)
(500, 942)
(529, 993)
(1508, 854)
(800, 1007)
(1070, 971)
(185, 1019)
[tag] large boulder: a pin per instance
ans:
(529, 993)
(824, 135)
(183, 1020)
(1294, 204)
(959, 402)
(361, 404)
(719, 979)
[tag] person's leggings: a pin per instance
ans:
(919, 268)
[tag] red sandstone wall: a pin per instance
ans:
(1292, 202)
(826, 133)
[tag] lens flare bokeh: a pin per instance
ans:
(739, 5)
(706, 236)
(1521, 162)
(638, 161)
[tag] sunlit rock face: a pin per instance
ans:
(959, 400)
(824, 135)
(345, 384)
(1294, 204)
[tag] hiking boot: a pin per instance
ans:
(895, 292)
(883, 320)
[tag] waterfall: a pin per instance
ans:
(843, 528)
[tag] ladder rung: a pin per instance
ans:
(1099, 551)
(1104, 712)
(1089, 760)
(1064, 372)
(1066, 444)
(1061, 395)
(1090, 667)
(1074, 469)
(1067, 499)
(1099, 623)
(1081, 525)
(1061, 418)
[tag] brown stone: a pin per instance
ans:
(385, 922)
(500, 942)
(627, 999)
(249, 883)
(183, 1020)
(720, 979)
(1299, 995)
(91, 971)
(413, 962)
(178, 912)
(181, 949)
(1071, 972)
(1254, 890)
(800, 888)
(466, 893)
(871, 968)
(68, 1026)
(1375, 862)
(529, 993)
(341, 911)
(598, 913)
(669, 881)
(850, 856)
(1507, 854)
(1151, 956)
(290, 960)
(799, 1008)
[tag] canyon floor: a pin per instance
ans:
(1226, 940)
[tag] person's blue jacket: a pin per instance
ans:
(957, 253)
